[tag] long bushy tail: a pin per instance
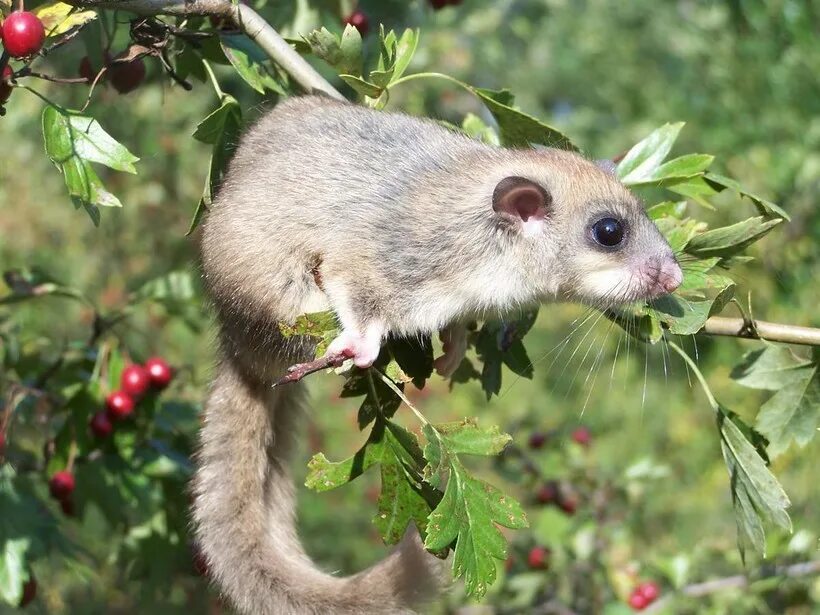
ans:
(244, 515)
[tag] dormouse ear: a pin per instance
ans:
(521, 198)
(606, 165)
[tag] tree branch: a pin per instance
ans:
(249, 22)
(698, 590)
(761, 330)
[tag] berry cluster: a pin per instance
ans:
(643, 595)
(135, 382)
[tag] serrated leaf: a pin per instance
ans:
(792, 414)
(729, 240)
(469, 513)
(671, 209)
(638, 323)
(769, 368)
(644, 158)
(516, 128)
(755, 491)
(59, 17)
(685, 317)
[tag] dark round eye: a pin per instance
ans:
(608, 232)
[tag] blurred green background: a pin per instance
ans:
(743, 75)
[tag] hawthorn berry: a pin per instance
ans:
(582, 436)
(127, 76)
(5, 86)
(2, 442)
(159, 372)
(568, 502)
(547, 493)
(537, 439)
(119, 405)
(101, 425)
(61, 485)
(538, 558)
(359, 20)
(89, 72)
(637, 601)
(135, 381)
(649, 590)
(29, 591)
(23, 34)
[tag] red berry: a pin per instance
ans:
(120, 406)
(29, 591)
(359, 20)
(159, 372)
(89, 72)
(101, 425)
(2, 442)
(568, 503)
(127, 76)
(23, 34)
(582, 436)
(538, 558)
(637, 601)
(61, 485)
(5, 86)
(537, 439)
(649, 590)
(547, 493)
(135, 381)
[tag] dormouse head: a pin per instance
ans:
(584, 232)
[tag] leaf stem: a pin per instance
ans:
(433, 75)
(212, 77)
(402, 396)
(712, 401)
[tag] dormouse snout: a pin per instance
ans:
(661, 276)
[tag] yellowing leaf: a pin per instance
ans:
(59, 17)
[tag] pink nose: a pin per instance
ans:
(670, 276)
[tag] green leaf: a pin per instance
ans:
(72, 141)
(638, 323)
(500, 343)
(764, 207)
(248, 60)
(343, 54)
(517, 129)
(793, 413)
(475, 127)
(365, 88)
(221, 129)
(674, 171)
(469, 513)
(405, 50)
(320, 325)
(27, 530)
(769, 368)
(756, 494)
(685, 317)
(729, 240)
(646, 156)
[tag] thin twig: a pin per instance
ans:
(758, 329)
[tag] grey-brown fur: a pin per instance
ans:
(392, 216)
